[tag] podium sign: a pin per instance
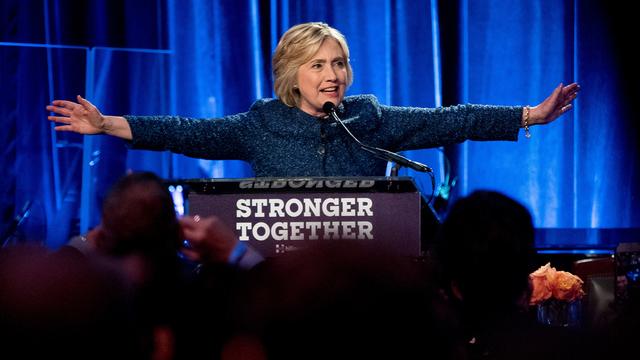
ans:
(278, 216)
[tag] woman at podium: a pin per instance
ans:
(292, 135)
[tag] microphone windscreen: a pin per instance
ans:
(328, 107)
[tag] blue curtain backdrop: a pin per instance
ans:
(212, 58)
(223, 56)
(579, 172)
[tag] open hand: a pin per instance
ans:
(555, 105)
(81, 117)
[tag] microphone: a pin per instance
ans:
(330, 109)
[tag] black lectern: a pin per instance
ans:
(280, 215)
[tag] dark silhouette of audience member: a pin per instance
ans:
(60, 305)
(620, 337)
(486, 251)
(141, 233)
(188, 310)
(139, 229)
(175, 313)
(341, 300)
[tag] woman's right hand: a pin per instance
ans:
(81, 117)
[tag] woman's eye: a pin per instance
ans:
(316, 66)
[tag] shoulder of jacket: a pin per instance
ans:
(364, 105)
(269, 104)
(362, 100)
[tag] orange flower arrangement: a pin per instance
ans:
(548, 283)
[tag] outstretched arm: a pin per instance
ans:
(84, 118)
(553, 106)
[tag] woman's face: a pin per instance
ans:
(323, 78)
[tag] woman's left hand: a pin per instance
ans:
(553, 106)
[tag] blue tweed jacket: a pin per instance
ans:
(280, 141)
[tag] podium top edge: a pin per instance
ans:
(292, 178)
(297, 184)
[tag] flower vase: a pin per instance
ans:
(553, 312)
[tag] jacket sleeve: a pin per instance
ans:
(223, 139)
(410, 128)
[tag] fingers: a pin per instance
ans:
(571, 88)
(571, 91)
(64, 128)
(555, 95)
(558, 90)
(189, 227)
(59, 119)
(65, 107)
(64, 103)
(565, 96)
(559, 111)
(195, 228)
(189, 222)
(59, 110)
(555, 105)
(568, 100)
(566, 108)
(84, 102)
(71, 105)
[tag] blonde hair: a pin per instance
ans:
(296, 47)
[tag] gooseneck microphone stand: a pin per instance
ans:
(383, 154)
(398, 160)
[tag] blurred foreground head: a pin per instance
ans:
(61, 305)
(487, 252)
(138, 216)
(344, 300)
